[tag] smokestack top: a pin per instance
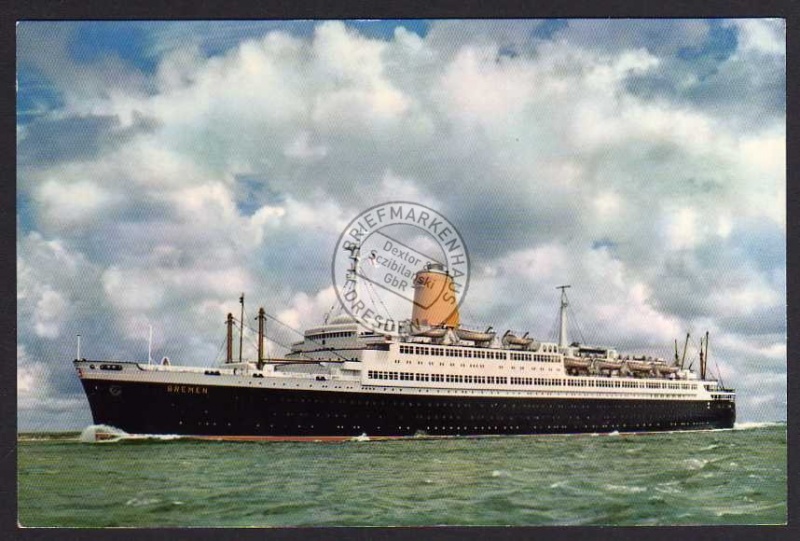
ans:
(435, 267)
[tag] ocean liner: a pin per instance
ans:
(431, 378)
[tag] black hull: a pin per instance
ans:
(147, 408)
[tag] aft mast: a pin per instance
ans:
(229, 339)
(241, 327)
(562, 330)
(261, 319)
(352, 272)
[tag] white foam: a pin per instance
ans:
(695, 463)
(668, 488)
(164, 437)
(139, 502)
(625, 489)
(97, 433)
(111, 434)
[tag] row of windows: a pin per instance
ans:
(343, 334)
(637, 384)
(443, 378)
(439, 403)
(458, 378)
(668, 385)
(475, 354)
(535, 357)
(452, 352)
(462, 365)
(375, 374)
(537, 381)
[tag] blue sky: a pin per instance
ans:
(163, 167)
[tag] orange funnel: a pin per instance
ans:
(435, 300)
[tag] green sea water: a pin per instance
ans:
(710, 477)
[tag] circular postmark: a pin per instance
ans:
(401, 261)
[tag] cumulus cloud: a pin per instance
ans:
(767, 36)
(662, 37)
(623, 157)
(41, 406)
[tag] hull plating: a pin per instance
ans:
(147, 408)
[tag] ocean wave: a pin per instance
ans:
(695, 463)
(139, 502)
(520, 481)
(112, 434)
(671, 487)
(624, 489)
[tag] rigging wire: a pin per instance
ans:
(719, 372)
(216, 358)
(472, 321)
(250, 339)
(254, 343)
(694, 356)
(329, 313)
(276, 341)
(552, 335)
(304, 336)
(465, 313)
(380, 300)
(242, 325)
(370, 292)
(577, 324)
(572, 318)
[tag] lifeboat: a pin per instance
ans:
(514, 340)
(573, 362)
(663, 369)
(609, 365)
(639, 366)
(476, 336)
(433, 332)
